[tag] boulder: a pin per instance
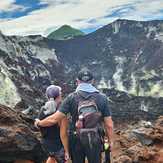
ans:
(18, 139)
(141, 136)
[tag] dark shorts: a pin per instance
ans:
(51, 150)
(86, 144)
(58, 155)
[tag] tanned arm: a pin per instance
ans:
(64, 134)
(109, 128)
(50, 120)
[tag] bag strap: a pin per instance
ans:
(80, 94)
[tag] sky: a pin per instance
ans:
(33, 17)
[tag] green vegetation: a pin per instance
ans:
(64, 33)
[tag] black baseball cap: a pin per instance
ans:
(85, 75)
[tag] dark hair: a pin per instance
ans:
(85, 75)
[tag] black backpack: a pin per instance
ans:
(91, 132)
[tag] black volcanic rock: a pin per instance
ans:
(127, 107)
(27, 67)
(125, 55)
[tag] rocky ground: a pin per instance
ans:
(136, 142)
(139, 143)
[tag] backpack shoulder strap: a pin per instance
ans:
(80, 94)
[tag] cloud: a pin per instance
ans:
(142, 11)
(59, 2)
(82, 14)
(9, 5)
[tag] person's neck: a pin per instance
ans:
(57, 101)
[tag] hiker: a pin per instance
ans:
(54, 138)
(87, 107)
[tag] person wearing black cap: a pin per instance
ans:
(85, 90)
(54, 138)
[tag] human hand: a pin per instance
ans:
(36, 123)
(110, 145)
(67, 157)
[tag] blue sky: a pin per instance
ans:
(24, 17)
(26, 6)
